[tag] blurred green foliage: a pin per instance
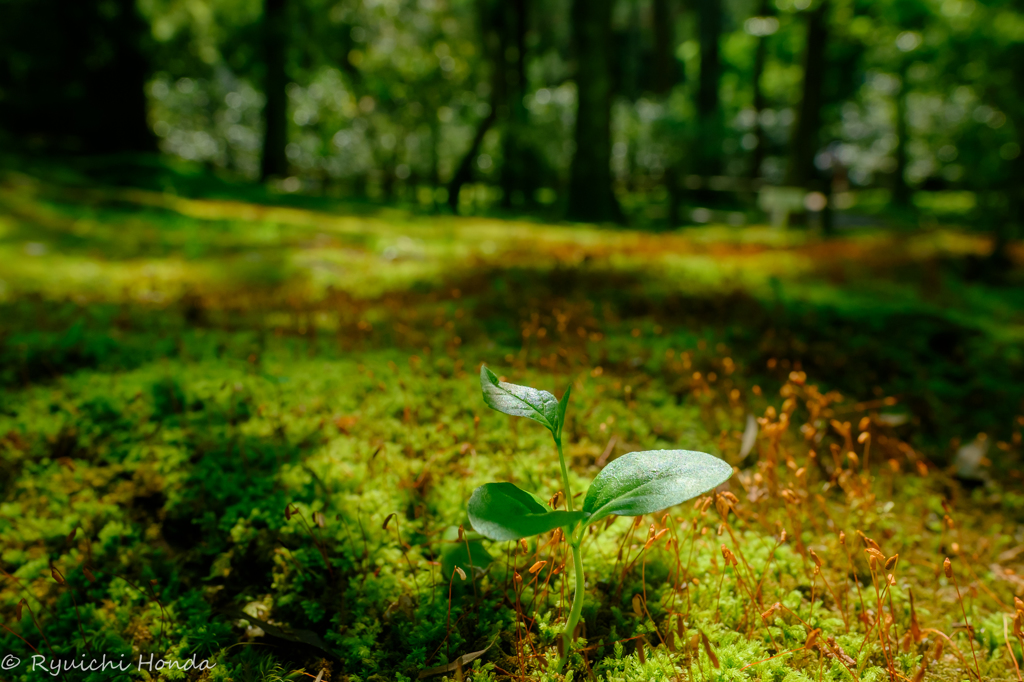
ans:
(384, 99)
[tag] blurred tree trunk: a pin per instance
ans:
(73, 76)
(1009, 98)
(464, 173)
(629, 60)
(804, 140)
(760, 58)
(435, 160)
(1009, 225)
(121, 92)
(666, 74)
(900, 189)
(493, 15)
(591, 197)
(666, 70)
(1012, 230)
(709, 144)
(275, 113)
(512, 64)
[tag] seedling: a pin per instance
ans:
(633, 485)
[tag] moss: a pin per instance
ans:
(171, 427)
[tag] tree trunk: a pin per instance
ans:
(900, 189)
(512, 65)
(76, 81)
(591, 197)
(464, 173)
(666, 74)
(804, 144)
(760, 58)
(1008, 227)
(275, 113)
(709, 144)
(121, 93)
(435, 159)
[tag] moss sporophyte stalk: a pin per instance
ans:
(633, 485)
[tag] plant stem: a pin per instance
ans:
(577, 561)
(565, 475)
(577, 603)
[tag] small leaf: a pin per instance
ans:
(501, 511)
(469, 555)
(560, 414)
(646, 482)
(519, 401)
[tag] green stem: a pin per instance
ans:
(577, 561)
(577, 604)
(565, 474)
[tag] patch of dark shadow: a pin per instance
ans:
(27, 358)
(178, 530)
(955, 378)
(10, 470)
(252, 563)
(168, 398)
(193, 309)
(66, 445)
(149, 504)
(30, 353)
(189, 549)
(227, 483)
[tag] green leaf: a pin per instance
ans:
(501, 511)
(519, 401)
(650, 481)
(560, 414)
(468, 554)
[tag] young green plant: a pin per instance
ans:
(633, 485)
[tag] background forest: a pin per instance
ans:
(652, 112)
(253, 254)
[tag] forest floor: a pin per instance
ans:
(248, 432)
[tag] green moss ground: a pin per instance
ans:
(177, 372)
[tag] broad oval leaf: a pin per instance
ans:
(501, 511)
(646, 482)
(519, 401)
